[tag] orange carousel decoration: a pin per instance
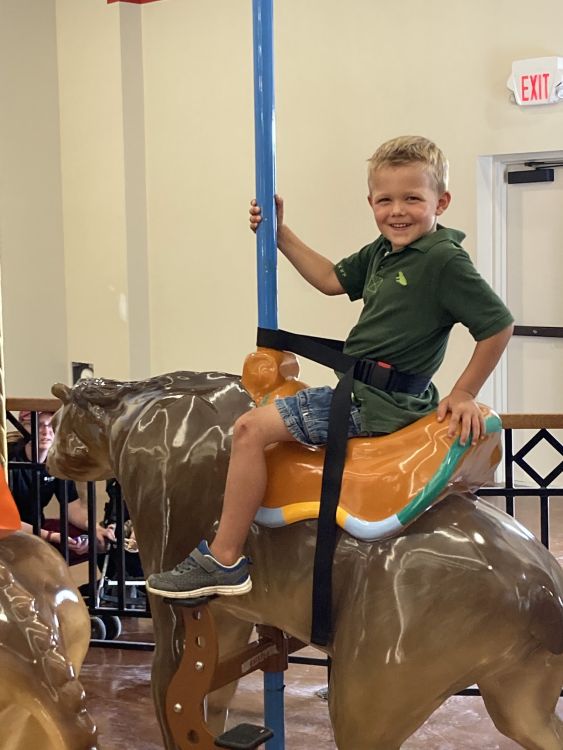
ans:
(9, 515)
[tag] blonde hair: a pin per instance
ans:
(407, 149)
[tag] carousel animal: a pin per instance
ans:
(464, 595)
(44, 636)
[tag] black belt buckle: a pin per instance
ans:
(376, 374)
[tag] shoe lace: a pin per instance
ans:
(186, 565)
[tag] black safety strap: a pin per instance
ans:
(329, 352)
(327, 529)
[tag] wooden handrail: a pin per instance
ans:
(509, 421)
(532, 421)
(33, 404)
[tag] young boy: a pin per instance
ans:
(416, 282)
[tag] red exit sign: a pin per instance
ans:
(534, 87)
(537, 81)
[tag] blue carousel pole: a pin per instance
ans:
(265, 153)
(265, 156)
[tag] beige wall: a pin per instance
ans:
(31, 237)
(92, 162)
(349, 75)
(62, 218)
(200, 173)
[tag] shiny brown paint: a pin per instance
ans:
(44, 636)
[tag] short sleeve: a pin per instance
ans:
(467, 298)
(72, 492)
(353, 270)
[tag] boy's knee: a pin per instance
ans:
(260, 427)
(246, 428)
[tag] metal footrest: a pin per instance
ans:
(244, 737)
(200, 601)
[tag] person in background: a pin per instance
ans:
(22, 482)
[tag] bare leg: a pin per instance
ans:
(246, 479)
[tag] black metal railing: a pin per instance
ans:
(107, 596)
(544, 488)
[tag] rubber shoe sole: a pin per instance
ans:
(241, 588)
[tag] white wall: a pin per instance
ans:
(349, 75)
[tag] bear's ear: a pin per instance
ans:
(97, 392)
(62, 392)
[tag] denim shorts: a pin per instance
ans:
(306, 415)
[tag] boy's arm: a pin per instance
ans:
(461, 401)
(314, 267)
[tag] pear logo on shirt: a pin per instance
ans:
(401, 279)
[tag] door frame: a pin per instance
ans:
(492, 251)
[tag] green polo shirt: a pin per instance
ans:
(412, 298)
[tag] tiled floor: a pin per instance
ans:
(117, 683)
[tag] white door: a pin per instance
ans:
(534, 291)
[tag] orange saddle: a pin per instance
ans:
(387, 482)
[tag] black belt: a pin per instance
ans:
(329, 352)
(377, 374)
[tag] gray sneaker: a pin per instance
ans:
(200, 574)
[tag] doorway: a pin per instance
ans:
(520, 252)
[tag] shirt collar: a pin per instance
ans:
(427, 241)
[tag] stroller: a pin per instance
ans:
(107, 588)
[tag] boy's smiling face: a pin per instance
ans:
(405, 202)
